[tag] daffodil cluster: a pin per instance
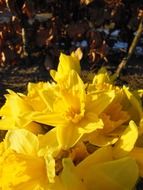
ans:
(78, 132)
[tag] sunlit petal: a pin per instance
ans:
(98, 102)
(68, 136)
(101, 77)
(20, 172)
(66, 64)
(119, 174)
(22, 141)
(69, 178)
(127, 141)
(101, 155)
(136, 110)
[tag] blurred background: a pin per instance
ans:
(34, 32)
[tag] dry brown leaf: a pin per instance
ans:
(42, 17)
(86, 2)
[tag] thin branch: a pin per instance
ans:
(131, 49)
(24, 52)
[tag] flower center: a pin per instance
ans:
(74, 115)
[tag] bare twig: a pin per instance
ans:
(131, 49)
(24, 52)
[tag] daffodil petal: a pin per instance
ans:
(100, 101)
(101, 155)
(137, 154)
(69, 177)
(99, 139)
(75, 83)
(50, 166)
(53, 74)
(101, 77)
(68, 136)
(22, 141)
(134, 101)
(21, 171)
(7, 123)
(14, 105)
(49, 139)
(119, 174)
(57, 185)
(50, 118)
(127, 141)
(90, 123)
(66, 64)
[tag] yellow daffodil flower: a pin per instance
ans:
(75, 112)
(22, 165)
(66, 64)
(125, 106)
(129, 100)
(94, 139)
(114, 117)
(12, 113)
